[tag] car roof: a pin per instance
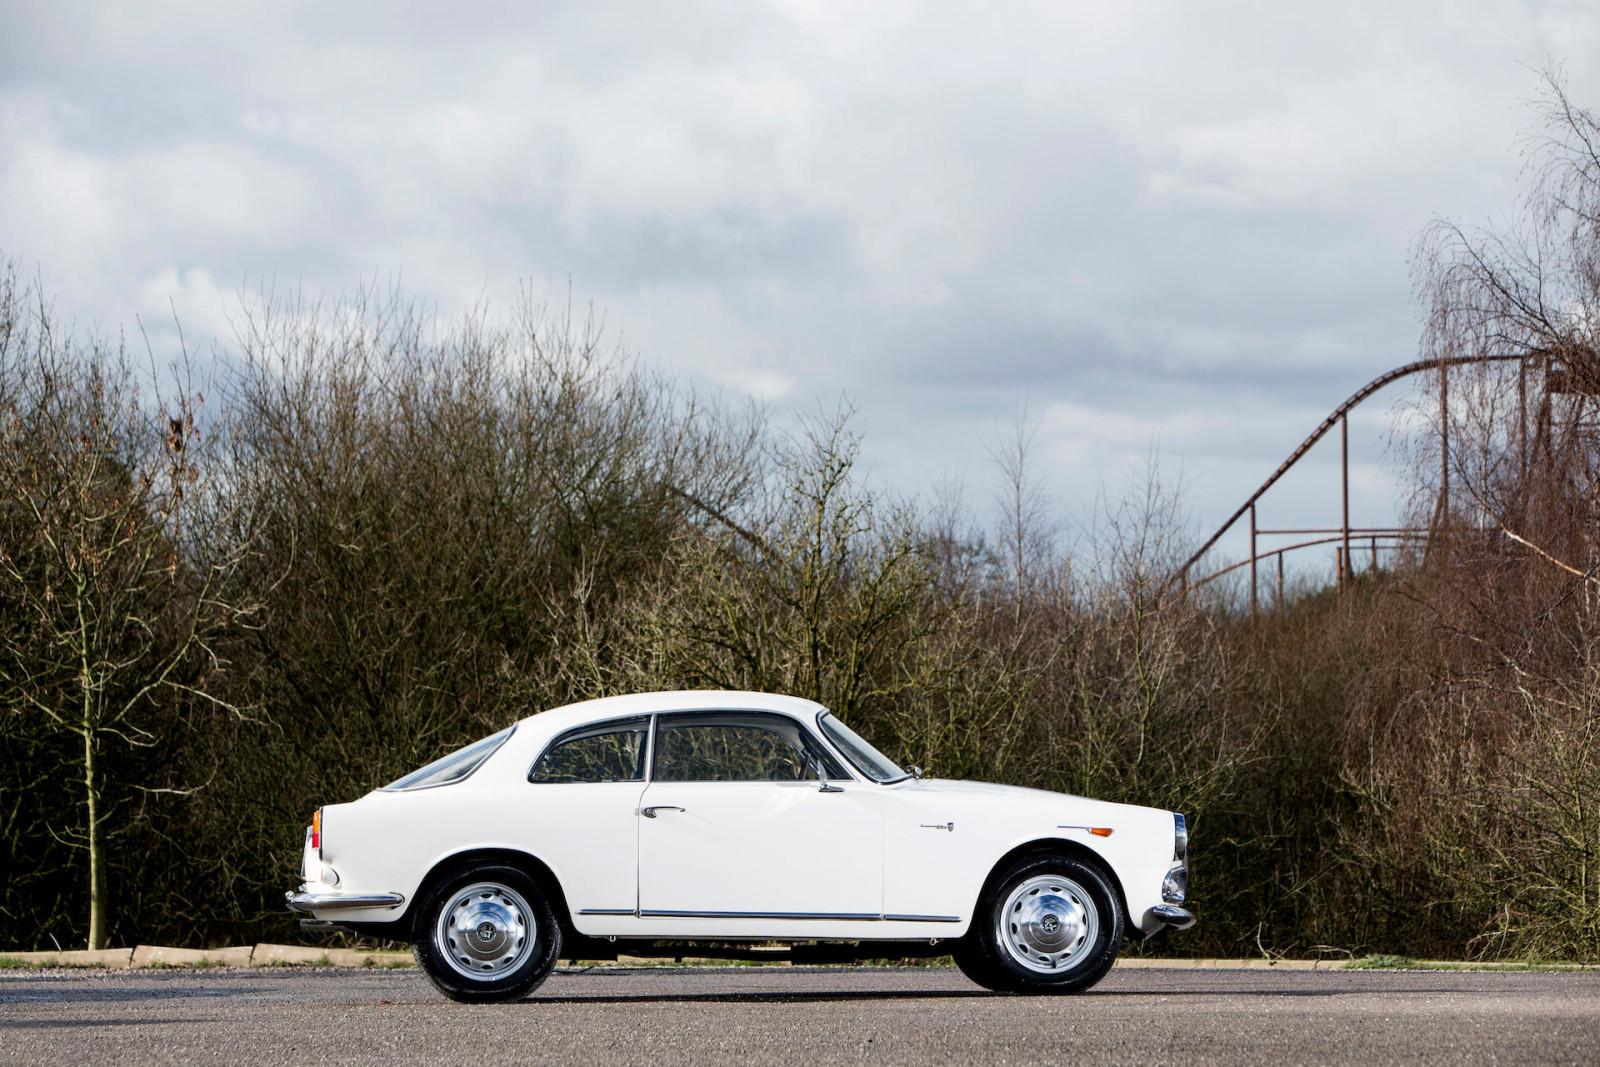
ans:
(613, 707)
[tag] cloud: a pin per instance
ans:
(1165, 225)
(192, 299)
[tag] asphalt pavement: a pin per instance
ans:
(800, 1015)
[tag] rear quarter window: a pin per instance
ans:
(611, 753)
(454, 767)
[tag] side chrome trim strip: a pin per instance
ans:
(815, 916)
(659, 913)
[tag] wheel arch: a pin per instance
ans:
(1051, 846)
(459, 862)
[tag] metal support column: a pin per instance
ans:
(1283, 606)
(1344, 489)
(1253, 586)
(1444, 445)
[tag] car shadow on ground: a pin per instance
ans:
(759, 997)
(779, 997)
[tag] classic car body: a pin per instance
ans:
(716, 817)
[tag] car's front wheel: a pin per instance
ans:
(1049, 924)
(487, 934)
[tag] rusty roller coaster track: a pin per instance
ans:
(1342, 534)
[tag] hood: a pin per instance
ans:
(1019, 800)
(957, 787)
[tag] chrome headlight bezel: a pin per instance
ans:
(1175, 886)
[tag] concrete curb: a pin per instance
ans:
(109, 958)
(235, 956)
(165, 956)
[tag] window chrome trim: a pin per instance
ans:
(862, 771)
(646, 720)
(800, 725)
(650, 751)
(810, 729)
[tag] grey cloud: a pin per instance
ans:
(1154, 219)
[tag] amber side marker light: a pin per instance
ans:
(1100, 831)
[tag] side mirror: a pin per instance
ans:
(820, 769)
(916, 772)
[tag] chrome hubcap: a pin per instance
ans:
(1049, 923)
(485, 931)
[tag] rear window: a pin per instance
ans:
(454, 767)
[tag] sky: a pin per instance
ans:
(1158, 232)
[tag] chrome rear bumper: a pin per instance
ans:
(307, 902)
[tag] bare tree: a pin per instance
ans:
(115, 588)
(1025, 528)
(1523, 456)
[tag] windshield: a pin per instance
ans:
(454, 767)
(868, 760)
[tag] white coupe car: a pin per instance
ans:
(730, 821)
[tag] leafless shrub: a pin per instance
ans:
(116, 591)
(1472, 780)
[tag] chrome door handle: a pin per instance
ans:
(650, 812)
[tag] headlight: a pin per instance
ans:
(1180, 837)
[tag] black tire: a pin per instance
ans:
(508, 971)
(985, 956)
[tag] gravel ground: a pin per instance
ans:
(799, 1015)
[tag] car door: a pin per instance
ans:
(583, 812)
(734, 823)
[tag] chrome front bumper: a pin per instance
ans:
(307, 902)
(1171, 917)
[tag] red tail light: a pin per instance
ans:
(316, 830)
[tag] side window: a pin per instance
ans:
(733, 748)
(610, 753)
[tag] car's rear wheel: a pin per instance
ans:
(486, 934)
(1049, 924)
